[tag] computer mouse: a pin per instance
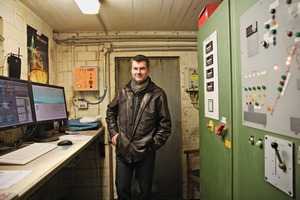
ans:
(65, 143)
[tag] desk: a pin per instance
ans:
(46, 166)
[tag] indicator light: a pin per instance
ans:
(272, 10)
(281, 83)
(273, 17)
(273, 22)
(288, 1)
(279, 89)
(273, 31)
(267, 26)
(258, 87)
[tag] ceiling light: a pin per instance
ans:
(88, 6)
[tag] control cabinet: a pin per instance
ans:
(270, 52)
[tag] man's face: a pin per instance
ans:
(139, 71)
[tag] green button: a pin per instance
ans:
(258, 87)
(254, 88)
(283, 77)
(267, 26)
(263, 87)
(297, 34)
(273, 31)
(279, 89)
(249, 88)
(288, 1)
(256, 103)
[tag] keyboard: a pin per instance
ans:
(27, 154)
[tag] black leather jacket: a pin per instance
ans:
(151, 127)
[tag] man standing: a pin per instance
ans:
(139, 123)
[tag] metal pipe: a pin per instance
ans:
(128, 38)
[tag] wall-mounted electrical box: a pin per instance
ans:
(86, 79)
(191, 79)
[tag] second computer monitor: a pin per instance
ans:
(49, 106)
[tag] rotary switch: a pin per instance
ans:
(265, 44)
(221, 130)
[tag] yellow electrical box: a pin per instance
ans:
(85, 79)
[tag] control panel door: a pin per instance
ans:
(215, 106)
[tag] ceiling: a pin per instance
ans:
(120, 15)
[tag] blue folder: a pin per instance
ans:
(75, 125)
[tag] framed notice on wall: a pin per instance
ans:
(37, 51)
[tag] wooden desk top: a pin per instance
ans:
(46, 166)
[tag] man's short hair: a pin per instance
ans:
(140, 58)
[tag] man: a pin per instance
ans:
(139, 123)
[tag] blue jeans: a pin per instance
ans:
(144, 170)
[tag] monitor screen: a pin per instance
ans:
(49, 102)
(16, 108)
(49, 106)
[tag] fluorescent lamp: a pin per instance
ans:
(88, 6)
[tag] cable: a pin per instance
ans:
(93, 103)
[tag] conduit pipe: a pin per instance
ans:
(125, 38)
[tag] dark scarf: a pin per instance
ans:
(137, 88)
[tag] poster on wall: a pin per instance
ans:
(37, 51)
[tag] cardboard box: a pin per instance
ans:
(205, 13)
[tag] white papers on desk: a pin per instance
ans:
(10, 177)
(75, 137)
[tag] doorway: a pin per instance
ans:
(164, 72)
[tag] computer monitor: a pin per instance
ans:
(49, 106)
(16, 108)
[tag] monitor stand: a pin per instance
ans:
(45, 133)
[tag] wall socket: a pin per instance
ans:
(82, 105)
